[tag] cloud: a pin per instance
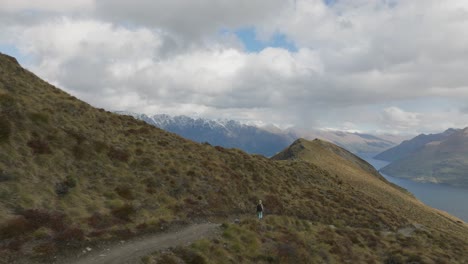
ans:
(357, 62)
(45, 5)
(190, 19)
(397, 119)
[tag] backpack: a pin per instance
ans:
(259, 208)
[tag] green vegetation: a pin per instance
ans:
(75, 174)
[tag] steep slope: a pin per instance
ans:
(444, 161)
(225, 133)
(72, 175)
(408, 147)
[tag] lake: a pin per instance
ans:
(444, 197)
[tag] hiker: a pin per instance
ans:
(260, 209)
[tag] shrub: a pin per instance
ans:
(7, 104)
(70, 234)
(4, 176)
(14, 245)
(5, 129)
(394, 259)
(124, 233)
(124, 213)
(190, 256)
(79, 151)
(15, 227)
(125, 192)
(39, 118)
(70, 181)
(45, 249)
(99, 146)
(273, 204)
(163, 143)
(39, 146)
(168, 258)
(118, 154)
(39, 218)
(100, 221)
(61, 189)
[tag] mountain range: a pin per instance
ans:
(225, 133)
(73, 176)
(437, 158)
(266, 141)
(410, 146)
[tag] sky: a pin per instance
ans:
(380, 66)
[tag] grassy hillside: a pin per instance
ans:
(71, 175)
(443, 161)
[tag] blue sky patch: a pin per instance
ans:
(330, 2)
(251, 43)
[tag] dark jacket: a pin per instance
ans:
(259, 208)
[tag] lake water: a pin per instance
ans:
(444, 197)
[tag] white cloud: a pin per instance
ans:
(396, 118)
(357, 62)
(191, 19)
(45, 5)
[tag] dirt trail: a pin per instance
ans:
(131, 251)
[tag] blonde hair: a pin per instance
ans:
(260, 201)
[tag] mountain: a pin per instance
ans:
(225, 133)
(408, 147)
(73, 176)
(267, 140)
(440, 161)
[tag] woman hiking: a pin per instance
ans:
(260, 209)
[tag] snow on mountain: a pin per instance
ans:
(221, 132)
(265, 140)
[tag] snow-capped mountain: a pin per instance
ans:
(226, 133)
(266, 141)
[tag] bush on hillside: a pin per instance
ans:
(125, 191)
(118, 154)
(4, 176)
(124, 213)
(5, 129)
(100, 221)
(15, 227)
(70, 234)
(7, 104)
(39, 146)
(38, 218)
(39, 118)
